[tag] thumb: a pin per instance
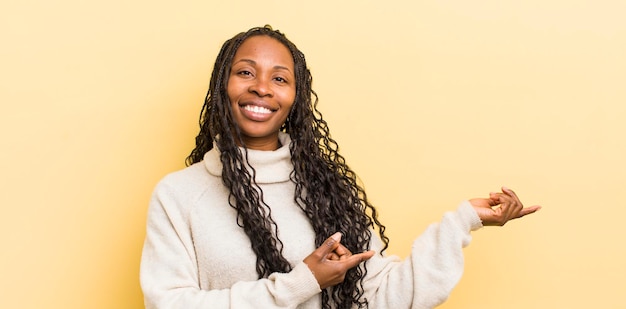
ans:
(329, 245)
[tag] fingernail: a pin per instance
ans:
(336, 236)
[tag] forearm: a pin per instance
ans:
(428, 275)
(280, 290)
(170, 277)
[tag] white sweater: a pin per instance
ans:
(196, 256)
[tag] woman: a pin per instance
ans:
(268, 214)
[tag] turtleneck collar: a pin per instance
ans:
(270, 166)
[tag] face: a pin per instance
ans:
(261, 89)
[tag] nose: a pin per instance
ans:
(261, 87)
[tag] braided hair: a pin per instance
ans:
(326, 189)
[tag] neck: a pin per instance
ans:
(265, 144)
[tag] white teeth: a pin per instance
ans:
(257, 109)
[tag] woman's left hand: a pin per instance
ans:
(509, 208)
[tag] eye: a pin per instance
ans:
(244, 72)
(280, 79)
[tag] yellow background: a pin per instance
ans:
(432, 102)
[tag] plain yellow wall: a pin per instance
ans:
(432, 102)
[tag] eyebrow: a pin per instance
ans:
(252, 62)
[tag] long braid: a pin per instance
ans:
(253, 215)
(327, 190)
(333, 201)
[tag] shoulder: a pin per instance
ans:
(187, 185)
(194, 173)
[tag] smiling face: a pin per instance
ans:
(261, 89)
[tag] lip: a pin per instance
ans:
(255, 116)
(259, 103)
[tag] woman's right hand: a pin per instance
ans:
(330, 262)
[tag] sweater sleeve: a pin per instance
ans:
(169, 273)
(435, 265)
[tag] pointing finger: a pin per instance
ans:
(357, 259)
(529, 210)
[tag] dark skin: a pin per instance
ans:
(501, 208)
(330, 262)
(261, 90)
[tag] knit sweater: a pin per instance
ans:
(196, 256)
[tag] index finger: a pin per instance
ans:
(356, 259)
